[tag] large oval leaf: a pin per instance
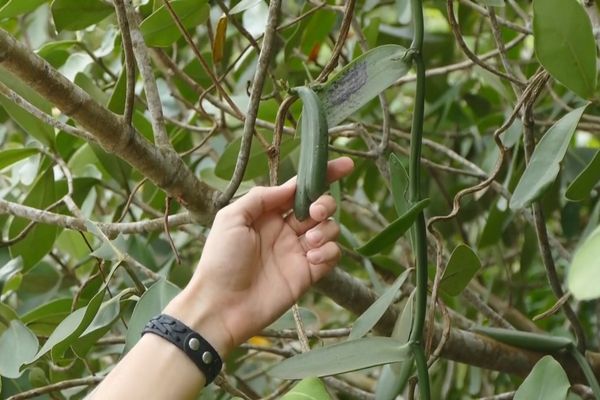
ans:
(584, 273)
(582, 185)
(40, 240)
(14, 8)
(19, 345)
(546, 381)
(11, 156)
(544, 164)
(160, 30)
(73, 15)
(462, 266)
(361, 80)
(342, 357)
(565, 45)
(151, 303)
(308, 389)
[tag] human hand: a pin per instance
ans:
(257, 261)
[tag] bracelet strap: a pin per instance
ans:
(191, 343)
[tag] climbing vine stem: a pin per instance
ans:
(420, 245)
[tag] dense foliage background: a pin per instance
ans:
(112, 160)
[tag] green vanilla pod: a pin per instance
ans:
(526, 340)
(312, 168)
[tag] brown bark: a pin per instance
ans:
(161, 165)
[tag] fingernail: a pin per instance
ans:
(314, 257)
(314, 236)
(320, 213)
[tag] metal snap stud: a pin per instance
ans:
(194, 344)
(207, 357)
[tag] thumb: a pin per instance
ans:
(261, 199)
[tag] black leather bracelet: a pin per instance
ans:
(191, 343)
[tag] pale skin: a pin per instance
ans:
(257, 261)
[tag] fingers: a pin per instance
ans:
(260, 200)
(326, 231)
(320, 210)
(323, 259)
(339, 168)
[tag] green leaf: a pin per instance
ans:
(160, 30)
(14, 8)
(369, 318)
(152, 302)
(462, 266)
(71, 327)
(8, 270)
(394, 376)
(58, 307)
(361, 80)
(308, 389)
(494, 226)
(18, 345)
(112, 250)
(403, 325)
(243, 6)
(583, 184)
(73, 15)
(584, 271)
(7, 314)
(544, 164)
(342, 357)
(40, 239)
(102, 322)
(526, 340)
(565, 45)
(258, 161)
(546, 381)
(393, 231)
(31, 125)
(11, 156)
(399, 183)
(57, 53)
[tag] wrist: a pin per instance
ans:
(203, 318)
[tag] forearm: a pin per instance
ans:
(157, 369)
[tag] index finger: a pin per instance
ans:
(260, 201)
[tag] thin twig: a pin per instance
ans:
(161, 138)
(461, 42)
(339, 44)
(42, 116)
(275, 153)
(55, 387)
(264, 60)
(168, 234)
(200, 58)
(542, 236)
(129, 59)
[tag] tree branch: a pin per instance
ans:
(79, 224)
(165, 169)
